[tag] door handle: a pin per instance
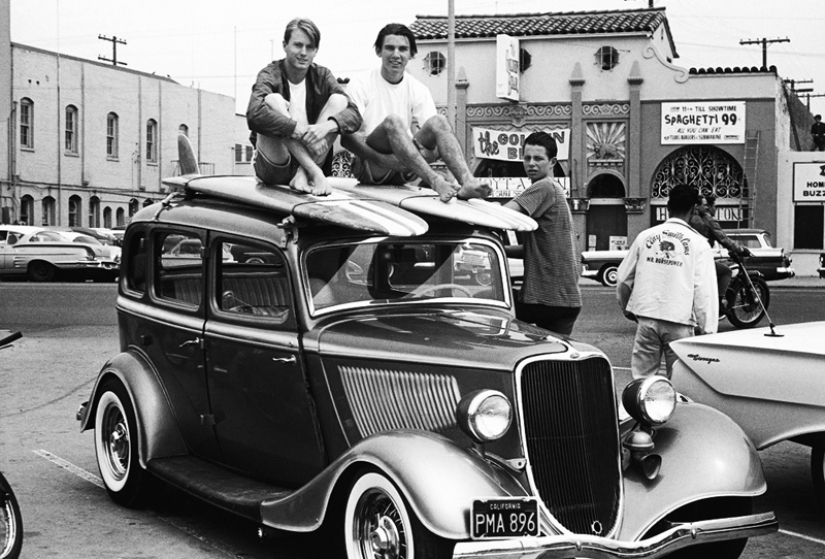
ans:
(196, 341)
(290, 359)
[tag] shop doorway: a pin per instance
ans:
(607, 217)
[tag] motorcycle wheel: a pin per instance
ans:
(744, 310)
(11, 522)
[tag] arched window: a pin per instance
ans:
(94, 211)
(71, 132)
(112, 125)
(148, 202)
(183, 129)
(120, 217)
(133, 207)
(607, 57)
(152, 141)
(27, 123)
(27, 210)
(75, 211)
(714, 173)
(48, 205)
(107, 217)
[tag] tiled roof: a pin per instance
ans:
(520, 25)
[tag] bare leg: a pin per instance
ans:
(436, 134)
(391, 136)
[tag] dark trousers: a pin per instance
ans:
(555, 319)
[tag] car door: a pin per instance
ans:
(263, 411)
(172, 335)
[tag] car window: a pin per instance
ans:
(750, 241)
(86, 239)
(138, 262)
(47, 237)
(179, 267)
(252, 282)
(389, 272)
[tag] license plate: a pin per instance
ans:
(505, 518)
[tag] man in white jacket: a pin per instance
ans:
(667, 284)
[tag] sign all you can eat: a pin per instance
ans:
(721, 122)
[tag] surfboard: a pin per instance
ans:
(339, 208)
(425, 201)
(346, 210)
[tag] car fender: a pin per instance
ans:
(704, 454)
(158, 434)
(438, 478)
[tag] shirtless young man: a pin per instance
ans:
(295, 110)
(386, 152)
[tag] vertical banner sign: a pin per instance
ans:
(507, 76)
(721, 122)
(507, 145)
(809, 182)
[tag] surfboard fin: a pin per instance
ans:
(187, 161)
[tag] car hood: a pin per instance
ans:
(460, 339)
(755, 364)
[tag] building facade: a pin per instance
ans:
(88, 144)
(629, 122)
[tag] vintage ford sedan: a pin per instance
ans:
(368, 386)
(42, 254)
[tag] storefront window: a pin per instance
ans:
(809, 227)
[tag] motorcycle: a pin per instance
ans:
(11, 521)
(747, 297)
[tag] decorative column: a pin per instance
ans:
(634, 148)
(578, 162)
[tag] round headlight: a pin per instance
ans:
(485, 415)
(650, 400)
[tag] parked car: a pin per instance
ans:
(771, 262)
(366, 385)
(772, 385)
(41, 255)
(111, 251)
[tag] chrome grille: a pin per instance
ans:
(383, 400)
(572, 441)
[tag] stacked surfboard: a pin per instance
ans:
(387, 210)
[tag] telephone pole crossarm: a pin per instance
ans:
(115, 42)
(764, 42)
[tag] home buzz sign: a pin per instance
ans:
(508, 145)
(809, 182)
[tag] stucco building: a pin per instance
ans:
(630, 122)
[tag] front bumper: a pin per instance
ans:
(593, 547)
(98, 264)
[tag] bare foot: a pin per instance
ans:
(475, 188)
(300, 182)
(319, 185)
(446, 190)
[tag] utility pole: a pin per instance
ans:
(115, 41)
(764, 42)
(794, 82)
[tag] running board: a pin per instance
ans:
(233, 492)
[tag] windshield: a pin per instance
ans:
(394, 272)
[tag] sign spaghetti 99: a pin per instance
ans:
(720, 122)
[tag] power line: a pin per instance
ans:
(115, 41)
(764, 42)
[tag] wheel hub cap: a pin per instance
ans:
(384, 538)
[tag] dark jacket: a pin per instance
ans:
(321, 84)
(709, 228)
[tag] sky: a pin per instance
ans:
(220, 45)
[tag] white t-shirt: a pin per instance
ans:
(298, 102)
(376, 98)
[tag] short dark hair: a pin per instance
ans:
(544, 140)
(305, 25)
(682, 197)
(396, 29)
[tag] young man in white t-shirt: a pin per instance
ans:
(294, 112)
(385, 149)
